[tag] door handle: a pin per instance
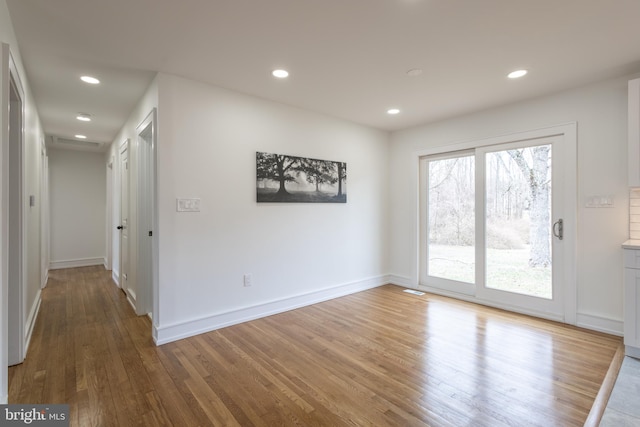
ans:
(558, 225)
(119, 227)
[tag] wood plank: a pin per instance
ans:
(380, 357)
(601, 400)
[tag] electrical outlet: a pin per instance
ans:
(248, 280)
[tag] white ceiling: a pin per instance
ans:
(347, 58)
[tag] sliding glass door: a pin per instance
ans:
(493, 221)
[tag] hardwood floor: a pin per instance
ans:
(380, 357)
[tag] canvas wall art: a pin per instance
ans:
(290, 179)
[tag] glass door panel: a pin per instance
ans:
(451, 218)
(518, 247)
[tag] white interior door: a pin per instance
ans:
(124, 221)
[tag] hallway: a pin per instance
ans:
(87, 345)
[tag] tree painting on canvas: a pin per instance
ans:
(291, 179)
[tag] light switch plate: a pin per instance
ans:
(599, 202)
(188, 205)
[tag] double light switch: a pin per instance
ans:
(188, 205)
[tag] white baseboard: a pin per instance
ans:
(632, 351)
(115, 275)
(74, 263)
(180, 330)
(45, 280)
(131, 297)
(31, 321)
(402, 281)
(600, 324)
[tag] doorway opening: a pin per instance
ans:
(146, 201)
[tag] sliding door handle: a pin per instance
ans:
(558, 229)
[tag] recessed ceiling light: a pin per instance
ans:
(81, 136)
(414, 72)
(281, 74)
(393, 111)
(517, 74)
(90, 80)
(84, 117)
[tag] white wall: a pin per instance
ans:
(78, 205)
(297, 253)
(33, 146)
(600, 113)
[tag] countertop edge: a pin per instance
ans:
(631, 244)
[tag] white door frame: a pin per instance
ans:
(567, 135)
(147, 277)
(108, 260)
(44, 218)
(16, 222)
(122, 275)
(4, 221)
